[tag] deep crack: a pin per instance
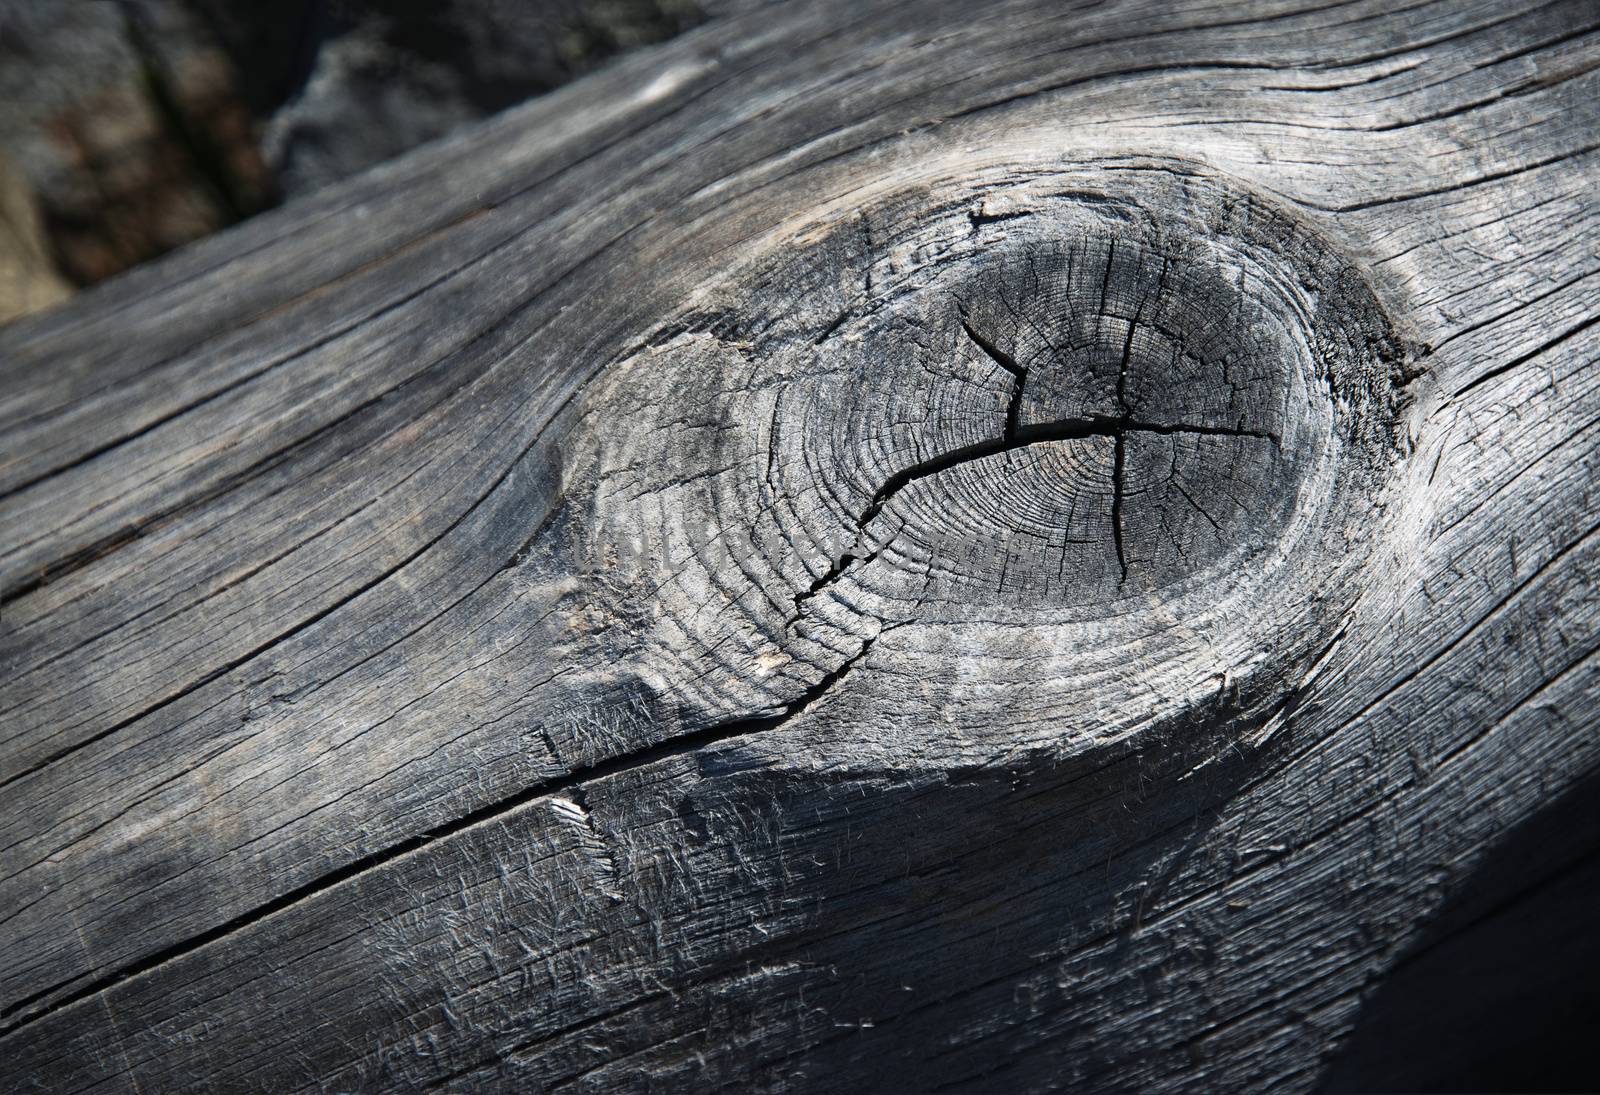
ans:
(1119, 445)
(1067, 429)
(1019, 375)
(1017, 436)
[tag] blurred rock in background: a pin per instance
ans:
(28, 277)
(128, 148)
(131, 127)
(345, 84)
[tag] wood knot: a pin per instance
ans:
(1137, 424)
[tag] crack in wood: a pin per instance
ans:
(1119, 446)
(1019, 374)
(1016, 436)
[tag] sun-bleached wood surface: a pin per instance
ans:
(869, 547)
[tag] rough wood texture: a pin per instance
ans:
(865, 547)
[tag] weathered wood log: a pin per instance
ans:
(866, 548)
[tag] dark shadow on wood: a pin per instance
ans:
(1501, 992)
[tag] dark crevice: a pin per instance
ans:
(834, 572)
(1119, 449)
(1105, 279)
(979, 219)
(827, 578)
(571, 784)
(1018, 436)
(1115, 427)
(1009, 364)
(832, 328)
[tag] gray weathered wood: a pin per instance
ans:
(865, 547)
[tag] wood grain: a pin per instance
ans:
(868, 547)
